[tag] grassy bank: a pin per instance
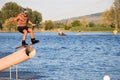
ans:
(73, 29)
(92, 29)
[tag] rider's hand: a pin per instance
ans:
(33, 24)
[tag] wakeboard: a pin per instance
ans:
(25, 46)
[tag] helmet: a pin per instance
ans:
(24, 10)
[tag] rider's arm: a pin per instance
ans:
(31, 23)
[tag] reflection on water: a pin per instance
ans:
(88, 56)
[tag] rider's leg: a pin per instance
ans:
(32, 36)
(24, 37)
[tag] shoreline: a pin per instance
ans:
(53, 31)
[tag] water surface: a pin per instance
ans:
(88, 56)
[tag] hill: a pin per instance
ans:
(91, 18)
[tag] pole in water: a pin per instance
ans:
(10, 73)
(16, 72)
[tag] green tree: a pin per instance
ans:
(84, 22)
(34, 16)
(58, 25)
(0, 20)
(112, 16)
(91, 24)
(116, 8)
(66, 27)
(10, 9)
(37, 18)
(76, 23)
(9, 26)
(108, 17)
(30, 14)
(49, 25)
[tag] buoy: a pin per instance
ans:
(115, 32)
(106, 77)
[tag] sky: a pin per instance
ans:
(63, 9)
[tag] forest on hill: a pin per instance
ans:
(103, 21)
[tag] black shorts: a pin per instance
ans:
(21, 28)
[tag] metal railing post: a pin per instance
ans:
(16, 72)
(10, 73)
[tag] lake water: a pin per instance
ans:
(88, 56)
